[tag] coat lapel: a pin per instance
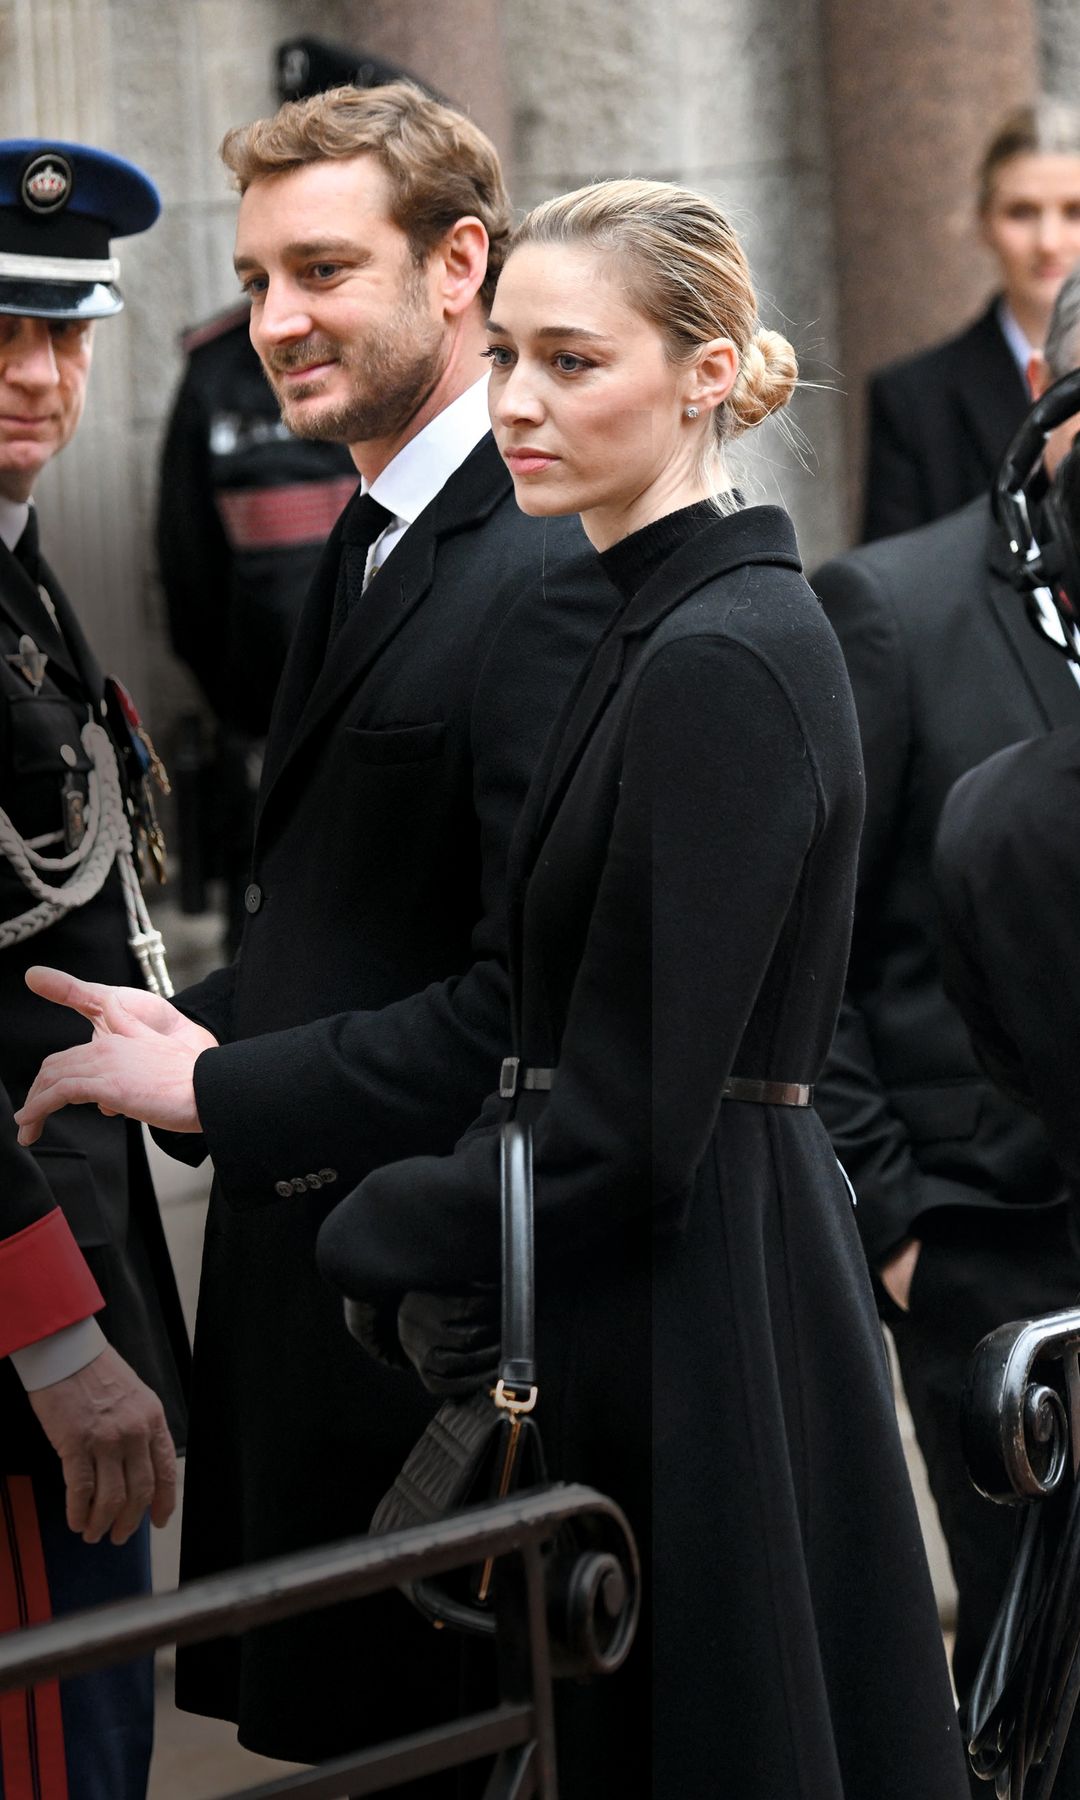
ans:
(23, 605)
(314, 682)
(1047, 674)
(761, 534)
(990, 389)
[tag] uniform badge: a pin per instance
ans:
(46, 183)
(142, 765)
(30, 661)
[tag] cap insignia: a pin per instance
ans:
(46, 183)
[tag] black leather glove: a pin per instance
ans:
(452, 1340)
(374, 1326)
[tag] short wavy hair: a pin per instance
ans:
(440, 166)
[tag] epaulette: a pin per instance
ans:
(197, 335)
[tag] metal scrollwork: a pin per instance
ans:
(1021, 1413)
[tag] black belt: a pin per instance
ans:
(513, 1079)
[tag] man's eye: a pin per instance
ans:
(254, 286)
(325, 271)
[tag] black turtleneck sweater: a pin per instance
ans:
(631, 561)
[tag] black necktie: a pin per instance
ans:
(365, 521)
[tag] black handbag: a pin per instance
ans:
(488, 1445)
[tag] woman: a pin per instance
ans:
(680, 904)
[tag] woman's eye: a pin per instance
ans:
(569, 364)
(498, 355)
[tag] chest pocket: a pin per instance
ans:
(43, 735)
(396, 744)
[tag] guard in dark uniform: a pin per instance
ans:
(93, 1352)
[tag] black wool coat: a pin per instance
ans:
(92, 1167)
(939, 424)
(364, 1018)
(946, 670)
(1007, 870)
(708, 1353)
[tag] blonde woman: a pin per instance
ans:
(680, 906)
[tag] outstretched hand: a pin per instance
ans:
(140, 1060)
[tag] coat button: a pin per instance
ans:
(253, 897)
(299, 1185)
(326, 1176)
(284, 1188)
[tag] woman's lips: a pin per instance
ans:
(528, 461)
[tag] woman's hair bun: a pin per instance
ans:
(767, 378)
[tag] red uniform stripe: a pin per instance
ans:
(31, 1726)
(44, 1283)
(271, 518)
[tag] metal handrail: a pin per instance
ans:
(519, 1731)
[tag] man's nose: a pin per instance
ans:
(282, 316)
(30, 362)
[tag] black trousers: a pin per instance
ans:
(977, 1270)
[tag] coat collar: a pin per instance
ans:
(314, 682)
(1044, 670)
(71, 660)
(758, 534)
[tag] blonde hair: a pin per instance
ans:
(440, 166)
(1044, 127)
(686, 272)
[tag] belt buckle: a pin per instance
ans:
(508, 1077)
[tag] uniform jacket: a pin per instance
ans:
(78, 1209)
(681, 894)
(363, 1018)
(244, 510)
(939, 425)
(1007, 869)
(946, 670)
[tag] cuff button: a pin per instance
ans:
(284, 1188)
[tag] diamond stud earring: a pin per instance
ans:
(691, 412)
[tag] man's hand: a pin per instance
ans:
(109, 1432)
(140, 1061)
(896, 1274)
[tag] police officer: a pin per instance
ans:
(92, 1343)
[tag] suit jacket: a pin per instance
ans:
(708, 1352)
(946, 670)
(1007, 869)
(78, 1219)
(365, 1017)
(939, 424)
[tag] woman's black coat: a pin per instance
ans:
(681, 900)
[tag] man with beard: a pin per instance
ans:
(365, 1017)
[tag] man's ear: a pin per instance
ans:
(462, 265)
(1038, 374)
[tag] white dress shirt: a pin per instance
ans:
(424, 465)
(13, 517)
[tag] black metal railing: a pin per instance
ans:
(1022, 1444)
(539, 1625)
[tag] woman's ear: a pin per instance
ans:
(712, 374)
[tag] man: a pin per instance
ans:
(1008, 877)
(80, 1237)
(958, 1193)
(366, 1014)
(940, 421)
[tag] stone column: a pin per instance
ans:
(914, 91)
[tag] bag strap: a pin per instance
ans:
(516, 1387)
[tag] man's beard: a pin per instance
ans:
(392, 373)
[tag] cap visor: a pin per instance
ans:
(60, 299)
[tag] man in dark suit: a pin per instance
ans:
(1007, 871)
(939, 422)
(85, 1446)
(366, 1015)
(959, 1196)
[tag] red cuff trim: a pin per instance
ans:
(44, 1283)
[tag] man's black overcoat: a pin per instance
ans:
(364, 1018)
(939, 425)
(681, 899)
(94, 1168)
(1007, 869)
